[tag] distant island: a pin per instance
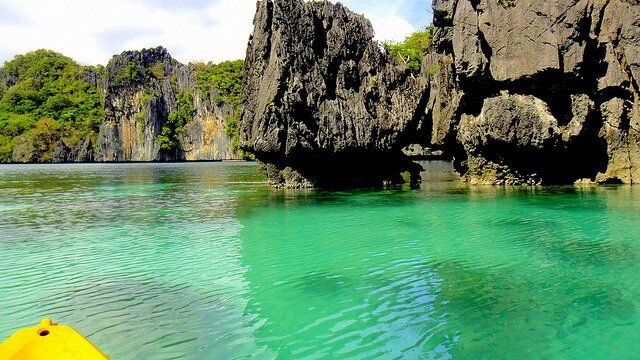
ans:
(143, 106)
(513, 92)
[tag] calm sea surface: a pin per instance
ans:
(203, 261)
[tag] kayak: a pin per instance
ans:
(49, 341)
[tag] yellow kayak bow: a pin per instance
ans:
(49, 341)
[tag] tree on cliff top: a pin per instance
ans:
(411, 51)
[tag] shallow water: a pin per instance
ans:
(203, 261)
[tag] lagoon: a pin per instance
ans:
(204, 261)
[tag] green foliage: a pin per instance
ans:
(246, 155)
(225, 78)
(6, 148)
(433, 70)
(48, 86)
(156, 70)
(231, 129)
(173, 80)
(412, 50)
(146, 97)
(168, 137)
(132, 72)
(37, 144)
(3, 89)
(16, 124)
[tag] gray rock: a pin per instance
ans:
(578, 60)
(324, 105)
(509, 40)
(444, 103)
(582, 108)
(24, 151)
(61, 152)
(470, 60)
(615, 77)
(621, 131)
(83, 152)
(522, 91)
(6, 80)
(509, 141)
(204, 137)
(138, 104)
(419, 152)
(620, 32)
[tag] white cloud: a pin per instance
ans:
(91, 31)
(392, 28)
(414, 12)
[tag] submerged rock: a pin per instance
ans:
(323, 104)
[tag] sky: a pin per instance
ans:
(92, 31)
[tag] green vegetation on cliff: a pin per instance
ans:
(132, 72)
(225, 80)
(168, 138)
(411, 51)
(46, 97)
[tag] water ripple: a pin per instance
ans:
(196, 261)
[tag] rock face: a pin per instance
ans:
(538, 91)
(323, 105)
(521, 91)
(154, 112)
(82, 152)
(5, 81)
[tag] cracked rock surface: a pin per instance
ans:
(324, 105)
(520, 91)
(521, 65)
(137, 108)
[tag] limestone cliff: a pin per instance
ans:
(521, 91)
(323, 104)
(542, 91)
(154, 112)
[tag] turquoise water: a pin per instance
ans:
(203, 261)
